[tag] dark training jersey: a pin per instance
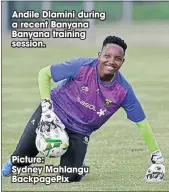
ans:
(84, 103)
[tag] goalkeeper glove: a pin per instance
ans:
(49, 120)
(156, 171)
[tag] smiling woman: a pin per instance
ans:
(111, 57)
(72, 101)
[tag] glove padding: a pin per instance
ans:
(49, 120)
(156, 171)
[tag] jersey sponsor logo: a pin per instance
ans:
(85, 104)
(85, 89)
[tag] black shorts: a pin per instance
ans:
(74, 156)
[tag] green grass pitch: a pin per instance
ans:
(117, 155)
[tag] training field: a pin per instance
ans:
(117, 155)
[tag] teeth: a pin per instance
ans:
(109, 67)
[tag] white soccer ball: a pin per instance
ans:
(52, 144)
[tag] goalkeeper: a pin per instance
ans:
(92, 91)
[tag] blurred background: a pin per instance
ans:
(117, 154)
(124, 18)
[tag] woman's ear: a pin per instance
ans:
(99, 55)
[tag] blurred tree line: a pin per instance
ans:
(141, 11)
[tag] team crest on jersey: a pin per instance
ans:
(107, 102)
